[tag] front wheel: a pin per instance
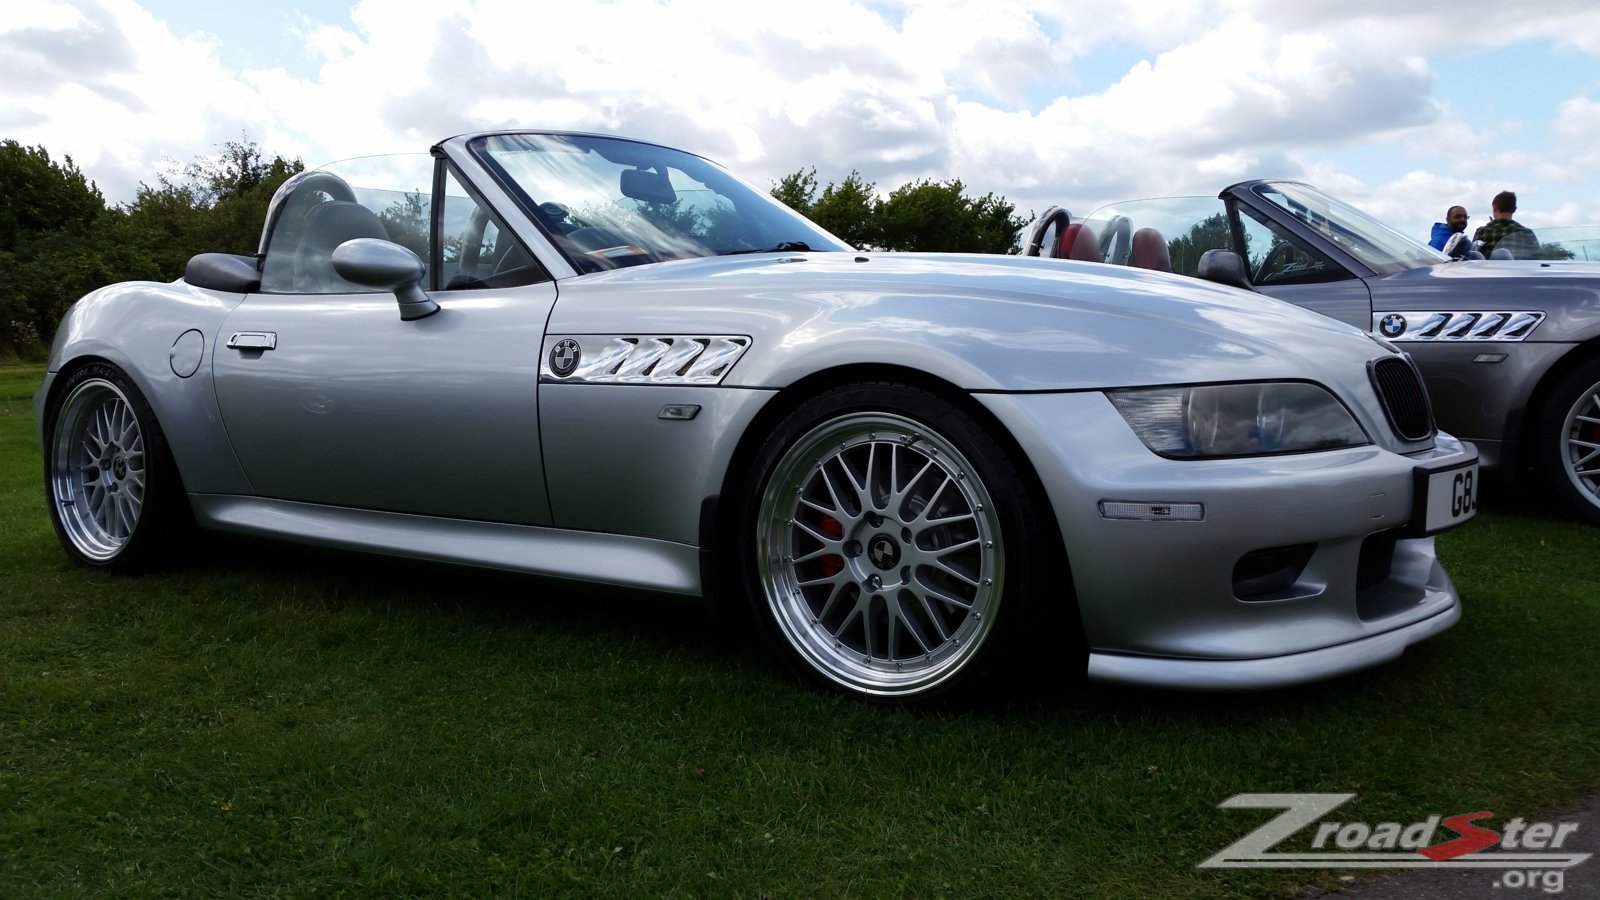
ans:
(892, 551)
(114, 493)
(1569, 441)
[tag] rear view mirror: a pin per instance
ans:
(1224, 267)
(647, 186)
(375, 263)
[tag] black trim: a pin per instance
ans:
(436, 226)
(231, 272)
(1403, 396)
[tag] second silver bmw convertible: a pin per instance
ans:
(599, 360)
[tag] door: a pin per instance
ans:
(329, 397)
(1285, 266)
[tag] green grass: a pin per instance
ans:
(271, 722)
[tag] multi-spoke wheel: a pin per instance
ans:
(1569, 440)
(109, 480)
(892, 545)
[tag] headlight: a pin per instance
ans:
(1238, 419)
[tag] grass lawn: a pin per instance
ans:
(272, 722)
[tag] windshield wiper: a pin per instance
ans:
(779, 247)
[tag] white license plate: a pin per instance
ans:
(1452, 498)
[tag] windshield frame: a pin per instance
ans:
(1340, 226)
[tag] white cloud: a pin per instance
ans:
(106, 82)
(1227, 89)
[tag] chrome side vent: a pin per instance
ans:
(635, 359)
(1456, 326)
(1405, 400)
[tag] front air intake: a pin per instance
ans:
(1404, 399)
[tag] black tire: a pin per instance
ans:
(114, 493)
(1568, 441)
(891, 549)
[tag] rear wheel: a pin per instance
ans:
(892, 552)
(1569, 441)
(114, 494)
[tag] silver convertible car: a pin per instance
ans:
(603, 361)
(1509, 348)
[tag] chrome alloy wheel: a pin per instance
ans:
(1580, 445)
(880, 553)
(97, 469)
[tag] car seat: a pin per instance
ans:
(1150, 251)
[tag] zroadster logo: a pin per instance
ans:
(1396, 845)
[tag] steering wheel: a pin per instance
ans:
(1266, 272)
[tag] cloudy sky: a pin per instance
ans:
(1402, 108)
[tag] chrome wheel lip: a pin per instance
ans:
(97, 469)
(795, 613)
(1580, 458)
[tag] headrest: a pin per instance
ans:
(1150, 251)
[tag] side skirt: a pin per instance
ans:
(584, 556)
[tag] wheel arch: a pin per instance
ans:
(1521, 432)
(720, 512)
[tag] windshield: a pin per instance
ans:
(1580, 242)
(1377, 246)
(609, 202)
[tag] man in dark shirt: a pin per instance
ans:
(1503, 231)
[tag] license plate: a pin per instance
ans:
(1448, 498)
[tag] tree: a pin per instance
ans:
(38, 195)
(939, 216)
(1210, 233)
(1554, 251)
(218, 205)
(849, 209)
(923, 215)
(48, 213)
(797, 190)
(58, 240)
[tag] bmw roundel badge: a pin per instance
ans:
(1392, 326)
(564, 357)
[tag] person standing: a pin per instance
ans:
(1455, 222)
(1504, 232)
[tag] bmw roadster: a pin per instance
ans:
(1509, 348)
(599, 360)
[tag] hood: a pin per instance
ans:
(981, 322)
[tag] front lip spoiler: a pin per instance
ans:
(1270, 672)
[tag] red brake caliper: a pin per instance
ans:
(832, 563)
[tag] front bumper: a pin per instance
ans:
(1162, 602)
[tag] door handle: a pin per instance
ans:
(253, 340)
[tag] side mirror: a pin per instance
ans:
(375, 263)
(223, 272)
(1224, 267)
